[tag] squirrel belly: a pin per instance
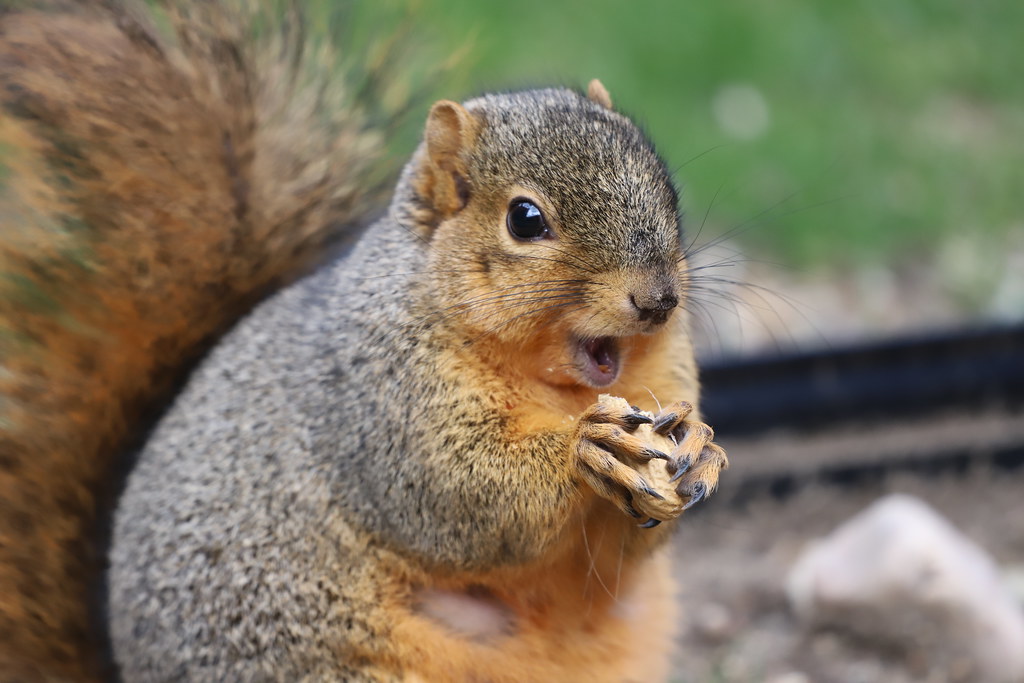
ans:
(410, 465)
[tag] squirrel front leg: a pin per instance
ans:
(618, 447)
(486, 496)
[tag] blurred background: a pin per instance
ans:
(852, 184)
(852, 181)
(860, 162)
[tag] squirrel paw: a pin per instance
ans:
(696, 462)
(624, 460)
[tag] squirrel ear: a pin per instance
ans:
(450, 132)
(598, 94)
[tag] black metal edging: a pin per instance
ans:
(859, 475)
(884, 380)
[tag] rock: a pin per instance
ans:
(1014, 578)
(899, 573)
(789, 677)
(714, 622)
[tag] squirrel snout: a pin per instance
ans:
(654, 306)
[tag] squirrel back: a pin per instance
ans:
(163, 166)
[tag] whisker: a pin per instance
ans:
(761, 293)
(529, 313)
(698, 310)
(420, 272)
(505, 293)
(750, 223)
(499, 304)
(656, 401)
(618, 569)
(593, 565)
(501, 307)
(576, 259)
(725, 261)
(741, 227)
(506, 297)
(707, 212)
(742, 284)
(698, 156)
(552, 260)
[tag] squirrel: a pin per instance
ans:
(455, 452)
(404, 467)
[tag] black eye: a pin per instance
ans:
(525, 221)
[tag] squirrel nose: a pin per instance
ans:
(654, 306)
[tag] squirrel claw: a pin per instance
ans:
(650, 523)
(652, 493)
(655, 453)
(697, 493)
(696, 461)
(670, 418)
(682, 467)
(661, 425)
(636, 419)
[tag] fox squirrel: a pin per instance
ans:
(409, 465)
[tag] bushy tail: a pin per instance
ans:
(162, 166)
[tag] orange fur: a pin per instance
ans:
(618, 627)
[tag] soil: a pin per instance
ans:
(735, 550)
(781, 493)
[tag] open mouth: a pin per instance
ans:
(598, 360)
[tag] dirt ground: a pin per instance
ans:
(735, 552)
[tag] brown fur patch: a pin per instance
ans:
(138, 225)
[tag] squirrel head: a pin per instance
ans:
(551, 221)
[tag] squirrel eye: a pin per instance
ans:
(525, 221)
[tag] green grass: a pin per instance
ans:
(892, 124)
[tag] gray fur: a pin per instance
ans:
(324, 438)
